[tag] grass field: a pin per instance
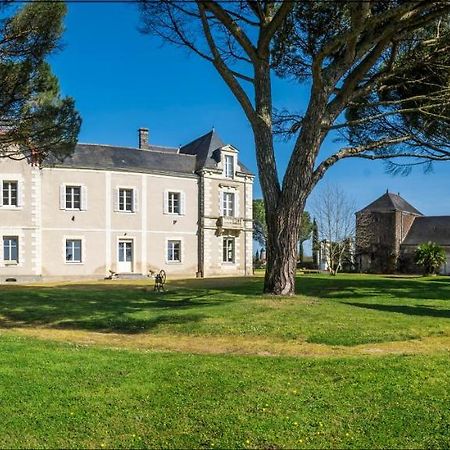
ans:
(353, 361)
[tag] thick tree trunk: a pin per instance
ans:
(284, 206)
(282, 246)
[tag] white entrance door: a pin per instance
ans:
(125, 257)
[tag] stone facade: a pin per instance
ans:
(388, 232)
(175, 218)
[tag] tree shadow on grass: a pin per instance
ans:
(120, 308)
(375, 287)
(418, 310)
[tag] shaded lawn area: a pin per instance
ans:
(345, 310)
(59, 395)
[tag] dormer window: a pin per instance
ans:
(229, 166)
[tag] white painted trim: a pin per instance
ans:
(36, 218)
(179, 239)
(72, 237)
(19, 179)
(101, 230)
(18, 233)
(144, 224)
(133, 259)
(107, 230)
(229, 263)
(182, 201)
(83, 193)
(134, 194)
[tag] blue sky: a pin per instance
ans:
(122, 80)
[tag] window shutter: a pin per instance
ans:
(135, 200)
(62, 197)
(236, 204)
(166, 202)
(84, 200)
(115, 196)
(19, 194)
(182, 203)
(1, 192)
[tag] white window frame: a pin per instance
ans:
(225, 250)
(73, 261)
(72, 197)
(182, 202)
(174, 261)
(226, 210)
(9, 197)
(10, 261)
(134, 199)
(125, 191)
(228, 169)
(12, 178)
(171, 202)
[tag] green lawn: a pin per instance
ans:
(347, 310)
(69, 394)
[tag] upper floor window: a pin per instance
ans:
(11, 249)
(174, 206)
(228, 250)
(174, 202)
(73, 250)
(174, 251)
(73, 197)
(126, 200)
(228, 204)
(229, 166)
(10, 193)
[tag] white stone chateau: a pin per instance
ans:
(186, 210)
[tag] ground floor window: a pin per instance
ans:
(174, 251)
(73, 250)
(228, 249)
(11, 248)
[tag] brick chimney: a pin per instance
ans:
(143, 139)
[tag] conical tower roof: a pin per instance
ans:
(391, 202)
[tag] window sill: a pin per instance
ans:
(11, 263)
(173, 262)
(11, 208)
(74, 263)
(125, 212)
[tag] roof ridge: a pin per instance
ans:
(107, 145)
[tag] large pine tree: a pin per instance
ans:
(35, 120)
(377, 71)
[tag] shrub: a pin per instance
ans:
(430, 257)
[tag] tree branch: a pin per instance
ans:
(268, 30)
(236, 31)
(223, 69)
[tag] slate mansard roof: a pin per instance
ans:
(391, 202)
(203, 152)
(429, 229)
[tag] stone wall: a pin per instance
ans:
(376, 243)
